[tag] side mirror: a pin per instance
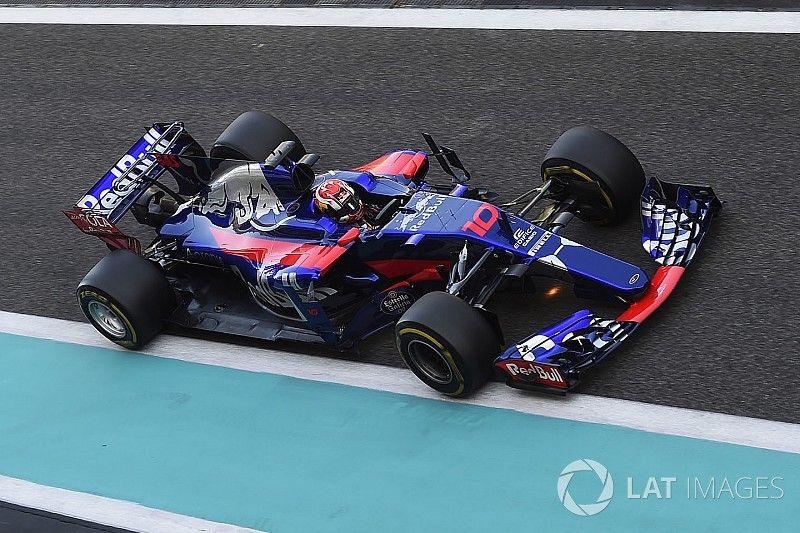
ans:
(302, 173)
(388, 211)
(302, 176)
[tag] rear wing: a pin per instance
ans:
(119, 188)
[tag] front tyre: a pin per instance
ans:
(126, 298)
(447, 343)
(591, 155)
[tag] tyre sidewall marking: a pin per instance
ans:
(85, 295)
(444, 352)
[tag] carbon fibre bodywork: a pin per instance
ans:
(247, 252)
(675, 219)
(435, 216)
(291, 259)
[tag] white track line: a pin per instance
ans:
(719, 427)
(503, 19)
(106, 511)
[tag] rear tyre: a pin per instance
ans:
(447, 343)
(252, 136)
(126, 298)
(589, 154)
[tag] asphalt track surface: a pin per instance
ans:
(19, 519)
(709, 108)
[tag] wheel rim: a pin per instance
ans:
(429, 361)
(107, 320)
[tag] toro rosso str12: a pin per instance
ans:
(249, 240)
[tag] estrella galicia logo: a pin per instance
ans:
(396, 302)
(585, 509)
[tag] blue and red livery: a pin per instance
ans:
(246, 252)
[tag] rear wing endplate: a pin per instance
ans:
(99, 226)
(114, 194)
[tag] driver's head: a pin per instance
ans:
(339, 201)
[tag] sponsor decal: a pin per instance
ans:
(95, 224)
(396, 302)
(536, 372)
(90, 222)
(88, 294)
(269, 290)
(204, 257)
(523, 237)
(126, 175)
(538, 246)
(633, 279)
(419, 206)
(244, 189)
(414, 221)
(426, 214)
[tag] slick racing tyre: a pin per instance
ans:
(588, 154)
(447, 343)
(126, 298)
(252, 136)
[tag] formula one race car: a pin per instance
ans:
(250, 241)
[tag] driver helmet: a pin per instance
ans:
(336, 199)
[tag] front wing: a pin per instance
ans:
(675, 220)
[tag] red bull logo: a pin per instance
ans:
(537, 372)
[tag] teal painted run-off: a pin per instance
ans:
(289, 455)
